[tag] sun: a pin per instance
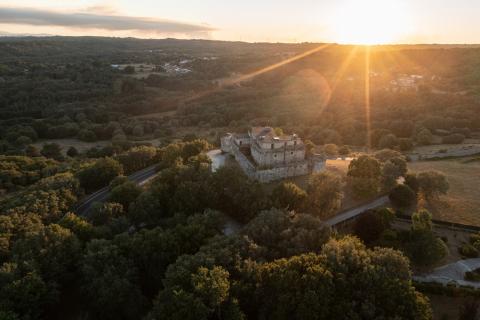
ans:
(370, 22)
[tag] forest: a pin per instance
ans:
(83, 113)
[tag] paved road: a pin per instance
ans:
(139, 177)
(452, 273)
(352, 213)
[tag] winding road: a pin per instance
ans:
(140, 177)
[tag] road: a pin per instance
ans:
(352, 213)
(139, 177)
(452, 273)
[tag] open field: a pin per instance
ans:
(462, 203)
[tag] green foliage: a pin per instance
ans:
(72, 152)
(50, 197)
(138, 158)
(25, 293)
(455, 138)
(432, 184)
(79, 226)
(110, 282)
(423, 247)
(237, 195)
(364, 175)
(125, 193)
(389, 141)
(369, 226)
(99, 174)
(52, 150)
(289, 196)
(473, 275)
(53, 250)
(468, 250)
(18, 171)
(324, 194)
(424, 137)
(105, 213)
(402, 196)
(278, 233)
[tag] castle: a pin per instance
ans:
(266, 157)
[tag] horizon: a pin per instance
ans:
(33, 35)
(343, 22)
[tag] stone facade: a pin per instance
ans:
(266, 157)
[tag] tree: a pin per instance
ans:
(369, 226)
(72, 152)
(339, 283)
(87, 135)
(99, 174)
(105, 213)
(330, 150)
(288, 195)
(455, 138)
(138, 158)
(412, 181)
(25, 292)
(364, 175)
(118, 181)
(402, 196)
(324, 194)
(432, 184)
(110, 282)
(405, 144)
(32, 151)
(344, 150)
(125, 193)
(52, 150)
(391, 171)
(53, 250)
(79, 226)
(237, 195)
(389, 141)
(309, 148)
(424, 137)
(423, 247)
(278, 233)
(129, 70)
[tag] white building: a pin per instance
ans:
(267, 157)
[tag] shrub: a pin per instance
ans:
(402, 196)
(469, 251)
(473, 275)
(455, 138)
(369, 227)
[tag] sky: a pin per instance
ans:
(341, 21)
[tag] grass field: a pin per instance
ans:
(462, 203)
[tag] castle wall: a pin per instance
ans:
(282, 172)
(277, 156)
(226, 143)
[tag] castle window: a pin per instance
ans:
(272, 145)
(295, 142)
(240, 142)
(274, 155)
(291, 152)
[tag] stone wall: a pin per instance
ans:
(278, 173)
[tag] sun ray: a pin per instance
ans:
(338, 77)
(367, 98)
(276, 65)
(249, 76)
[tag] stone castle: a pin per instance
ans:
(266, 157)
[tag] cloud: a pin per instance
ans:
(34, 17)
